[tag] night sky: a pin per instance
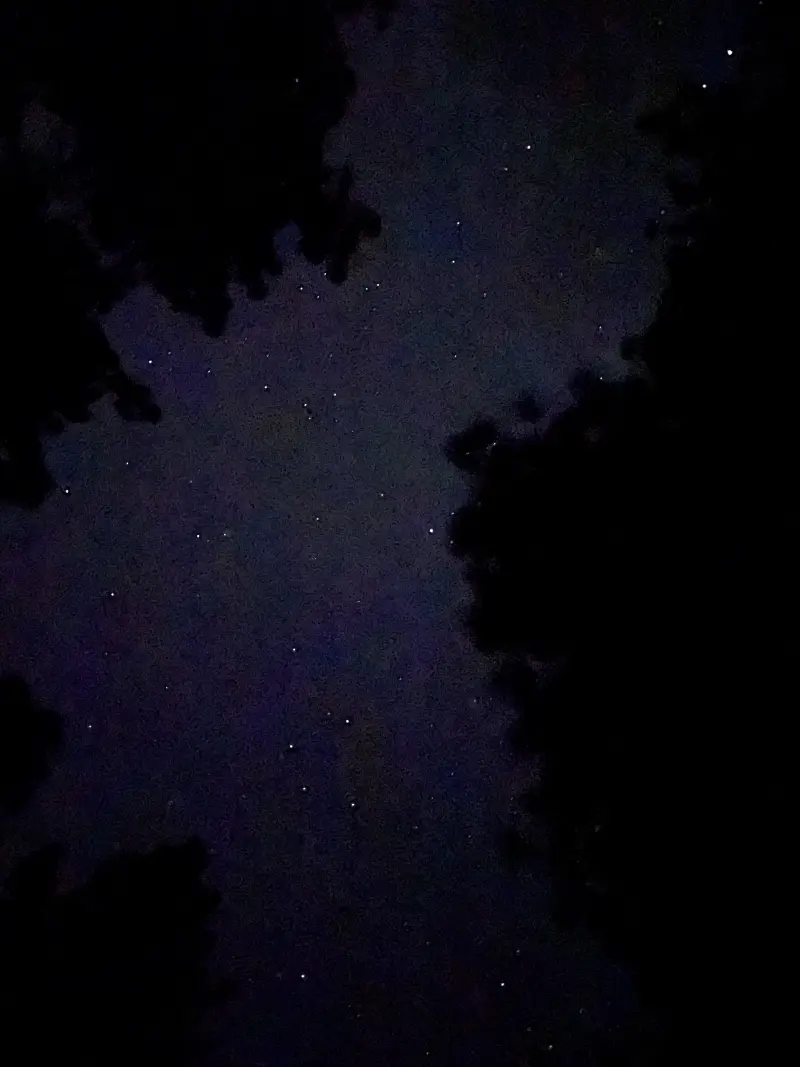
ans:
(248, 615)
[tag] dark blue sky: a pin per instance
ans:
(248, 615)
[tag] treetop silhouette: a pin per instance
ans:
(116, 970)
(205, 141)
(633, 570)
(29, 736)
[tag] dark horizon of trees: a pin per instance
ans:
(633, 574)
(116, 970)
(159, 143)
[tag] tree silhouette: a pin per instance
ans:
(56, 360)
(29, 735)
(633, 572)
(116, 970)
(165, 143)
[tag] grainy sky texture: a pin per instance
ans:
(248, 615)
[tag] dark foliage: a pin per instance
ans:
(115, 971)
(55, 360)
(634, 568)
(29, 736)
(157, 142)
